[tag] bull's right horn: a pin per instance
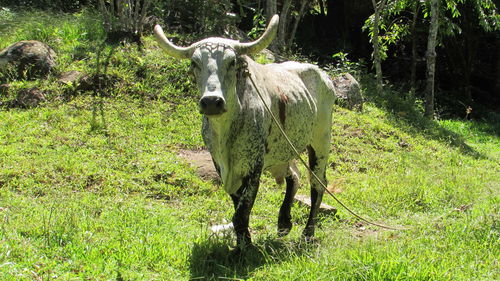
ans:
(263, 41)
(170, 48)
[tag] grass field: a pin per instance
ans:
(92, 187)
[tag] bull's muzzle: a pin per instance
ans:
(212, 105)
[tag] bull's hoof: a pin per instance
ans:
(236, 254)
(239, 253)
(243, 243)
(308, 234)
(284, 228)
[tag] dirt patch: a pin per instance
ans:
(202, 162)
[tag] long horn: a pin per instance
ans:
(263, 41)
(169, 47)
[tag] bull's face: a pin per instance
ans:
(213, 64)
(214, 68)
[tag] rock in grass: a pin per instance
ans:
(222, 228)
(27, 60)
(28, 98)
(306, 201)
(348, 92)
(71, 77)
(4, 89)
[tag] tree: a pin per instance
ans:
(431, 58)
(284, 23)
(377, 61)
(413, 31)
(271, 8)
(125, 19)
(303, 5)
(291, 13)
(458, 22)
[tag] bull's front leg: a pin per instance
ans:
(243, 201)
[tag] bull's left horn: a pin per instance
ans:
(169, 47)
(263, 41)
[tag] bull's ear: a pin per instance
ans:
(169, 47)
(261, 43)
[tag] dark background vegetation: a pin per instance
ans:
(468, 61)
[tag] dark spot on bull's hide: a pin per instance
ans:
(281, 107)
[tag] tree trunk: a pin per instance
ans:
(299, 17)
(375, 41)
(497, 83)
(431, 58)
(284, 24)
(271, 9)
(413, 70)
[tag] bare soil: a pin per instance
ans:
(202, 161)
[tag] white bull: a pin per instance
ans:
(239, 132)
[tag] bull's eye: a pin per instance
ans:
(232, 64)
(194, 65)
(194, 68)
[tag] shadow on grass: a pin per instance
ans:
(405, 114)
(213, 259)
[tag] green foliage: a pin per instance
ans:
(345, 65)
(62, 32)
(259, 25)
(395, 26)
(78, 41)
(6, 15)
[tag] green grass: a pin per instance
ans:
(92, 187)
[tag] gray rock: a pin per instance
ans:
(30, 97)
(348, 92)
(28, 59)
(4, 89)
(71, 77)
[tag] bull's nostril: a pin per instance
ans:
(203, 103)
(219, 103)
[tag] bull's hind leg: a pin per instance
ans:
(318, 158)
(292, 184)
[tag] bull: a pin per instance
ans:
(240, 134)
